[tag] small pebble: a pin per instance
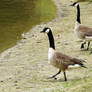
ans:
(1, 81)
(15, 81)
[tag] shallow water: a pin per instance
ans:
(18, 16)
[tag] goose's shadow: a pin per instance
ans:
(62, 80)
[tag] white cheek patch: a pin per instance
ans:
(47, 31)
(76, 4)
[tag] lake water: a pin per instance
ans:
(18, 16)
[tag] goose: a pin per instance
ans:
(58, 59)
(83, 32)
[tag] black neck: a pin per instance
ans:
(51, 40)
(78, 14)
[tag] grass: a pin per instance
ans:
(26, 68)
(89, 0)
(17, 17)
(83, 0)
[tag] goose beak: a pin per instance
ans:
(70, 4)
(41, 31)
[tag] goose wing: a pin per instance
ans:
(85, 30)
(67, 60)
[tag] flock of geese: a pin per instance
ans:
(60, 60)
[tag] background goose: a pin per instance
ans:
(82, 32)
(60, 60)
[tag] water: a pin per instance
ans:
(18, 16)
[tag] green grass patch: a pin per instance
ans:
(83, 0)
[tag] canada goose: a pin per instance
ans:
(82, 32)
(60, 60)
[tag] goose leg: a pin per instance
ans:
(82, 45)
(65, 79)
(88, 46)
(55, 75)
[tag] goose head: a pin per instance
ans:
(46, 30)
(75, 4)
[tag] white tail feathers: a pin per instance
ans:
(88, 38)
(74, 66)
